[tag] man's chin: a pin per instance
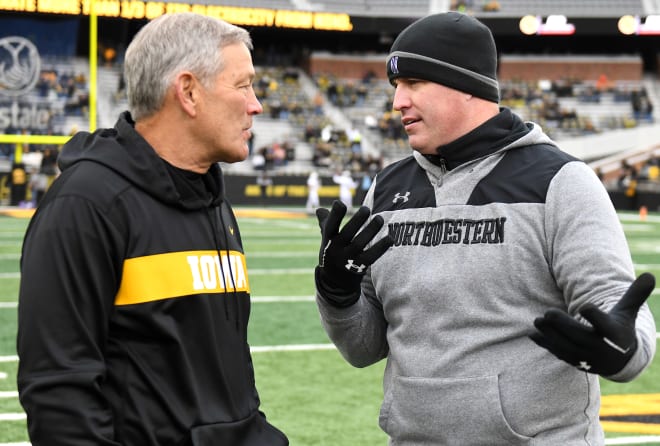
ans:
(418, 147)
(236, 155)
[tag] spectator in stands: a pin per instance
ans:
(312, 133)
(491, 6)
(133, 304)
(318, 103)
(628, 178)
(109, 55)
(390, 126)
(332, 92)
(361, 93)
(459, 5)
(509, 280)
(279, 154)
(265, 157)
(275, 107)
(603, 83)
(641, 105)
(355, 139)
(322, 156)
(368, 77)
(290, 75)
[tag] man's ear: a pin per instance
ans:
(186, 92)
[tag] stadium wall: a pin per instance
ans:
(283, 190)
(291, 190)
(617, 68)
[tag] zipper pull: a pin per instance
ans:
(443, 165)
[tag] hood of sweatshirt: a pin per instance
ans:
(125, 151)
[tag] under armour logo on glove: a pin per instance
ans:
(353, 267)
(343, 259)
(605, 346)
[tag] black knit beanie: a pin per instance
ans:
(452, 49)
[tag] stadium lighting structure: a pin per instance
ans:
(632, 25)
(556, 25)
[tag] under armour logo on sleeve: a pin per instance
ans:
(403, 197)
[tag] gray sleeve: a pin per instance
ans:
(359, 331)
(589, 255)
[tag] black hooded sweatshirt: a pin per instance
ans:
(134, 305)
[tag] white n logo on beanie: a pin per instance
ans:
(394, 68)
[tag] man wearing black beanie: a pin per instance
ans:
(497, 281)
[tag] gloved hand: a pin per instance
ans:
(607, 345)
(343, 261)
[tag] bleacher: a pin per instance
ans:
(480, 8)
(381, 8)
(569, 8)
(288, 95)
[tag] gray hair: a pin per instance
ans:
(168, 45)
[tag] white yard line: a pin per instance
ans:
(10, 256)
(646, 439)
(260, 299)
(12, 417)
(635, 217)
(278, 254)
(278, 299)
(271, 271)
(291, 348)
(253, 349)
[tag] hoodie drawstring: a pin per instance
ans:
(237, 308)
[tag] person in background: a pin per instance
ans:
(496, 279)
(313, 185)
(347, 186)
(134, 295)
(38, 185)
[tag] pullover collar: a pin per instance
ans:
(491, 136)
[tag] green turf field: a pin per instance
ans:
(306, 388)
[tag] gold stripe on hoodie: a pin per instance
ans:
(176, 274)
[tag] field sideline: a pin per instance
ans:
(305, 386)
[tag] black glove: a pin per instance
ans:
(607, 345)
(343, 261)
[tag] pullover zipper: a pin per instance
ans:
(442, 164)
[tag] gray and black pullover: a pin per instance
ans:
(495, 230)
